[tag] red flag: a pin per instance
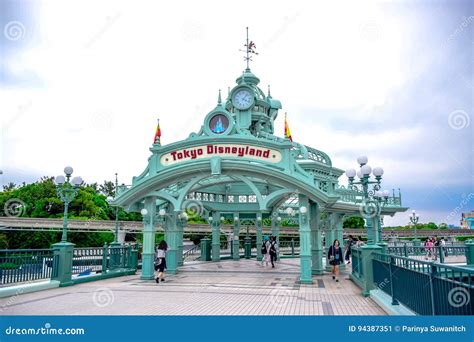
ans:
(157, 139)
(287, 130)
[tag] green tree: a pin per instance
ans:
(353, 222)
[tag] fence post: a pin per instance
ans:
(469, 252)
(104, 258)
(292, 248)
(441, 254)
(405, 250)
(128, 263)
(433, 272)
(63, 252)
(392, 286)
(134, 258)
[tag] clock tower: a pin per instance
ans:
(252, 110)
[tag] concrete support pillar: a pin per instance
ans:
(259, 226)
(235, 240)
(276, 232)
(180, 236)
(172, 232)
(63, 253)
(148, 253)
(316, 240)
(305, 240)
(469, 252)
(339, 234)
(366, 261)
(216, 237)
(370, 230)
(330, 236)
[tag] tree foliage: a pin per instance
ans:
(40, 200)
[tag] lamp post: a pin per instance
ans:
(67, 190)
(64, 250)
(414, 217)
(373, 199)
(110, 200)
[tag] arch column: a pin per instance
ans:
(259, 241)
(316, 240)
(148, 253)
(172, 237)
(216, 242)
(339, 232)
(235, 240)
(305, 241)
(180, 235)
(276, 232)
(330, 236)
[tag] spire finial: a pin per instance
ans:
(269, 95)
(249, 50)
(116, 180)
(219, 100)
(228, 91)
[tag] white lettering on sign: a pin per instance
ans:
(221, 150)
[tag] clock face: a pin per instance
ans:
(242, 99)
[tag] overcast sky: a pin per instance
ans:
(83, 82)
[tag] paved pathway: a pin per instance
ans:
(224, 288)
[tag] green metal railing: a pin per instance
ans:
(446, 254)
(23, 265)
(101, 259)
(87, 259)
(357, 265)
(426, 288)
(193, 251)
(291, 248)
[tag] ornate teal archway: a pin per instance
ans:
(235, 165)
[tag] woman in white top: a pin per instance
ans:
(160, 260)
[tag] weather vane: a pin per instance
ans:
(249, 50)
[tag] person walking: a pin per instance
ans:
(273, 250)
(335, 258)
(428, 248)
(160, 260)
(350, 243)
(265, 251)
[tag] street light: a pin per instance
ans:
(414, 217)
(67, 190)
(374, 198)
(110, 200)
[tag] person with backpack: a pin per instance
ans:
(428, 249)
(160, 261)
(335, 258)
(273, 250)
(265, 249)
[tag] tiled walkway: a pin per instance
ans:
(224, 288)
